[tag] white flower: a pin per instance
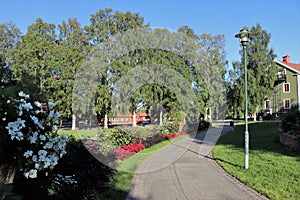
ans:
(31, 174)
(54, 159)
(51, 104)
(48, 145)
(61, 145)
(42, 153)
(4, 119)
(22, 94)
(47, 162)
(62, 153)
(18, 135)
(36, 121)
(34, 158)
(8, 101)
(20, 123)
(43, 138)
(38, 104)
(33, 138)
(28, 153)
(37, 165)
(14, 129)
(54, 128)
(51, 113)
(20, 111)
(56, 116)
(27, 106)
(64, 137)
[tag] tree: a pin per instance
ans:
(261, 71)
(208, 78)
(213, 66)
(34, 56)
(104, 24)
(10, 36)
(72, 48)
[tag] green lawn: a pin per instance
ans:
(273, 169)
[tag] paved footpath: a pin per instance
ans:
(184, 170)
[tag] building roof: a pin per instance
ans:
(287, 64)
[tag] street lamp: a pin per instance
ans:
(244, 37)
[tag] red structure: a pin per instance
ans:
(141, 117)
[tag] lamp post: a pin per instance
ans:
(244, 37)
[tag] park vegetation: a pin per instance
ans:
(43, 65)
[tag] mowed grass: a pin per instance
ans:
(274, 170)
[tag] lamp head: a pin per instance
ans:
(244, 36)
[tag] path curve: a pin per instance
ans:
(190, 177)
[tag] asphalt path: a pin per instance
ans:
(185, 170)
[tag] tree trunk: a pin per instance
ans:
(160, 117)
(73, 122)
(134, 119)
(105, 121)
(7, 173)
(206, 114)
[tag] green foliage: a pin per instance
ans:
(261, 74)
(7, 194)
(291, 122)
(120, 137)
(169, 127)
(91, 175)
(10, 36)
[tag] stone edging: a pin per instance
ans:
(288, 140)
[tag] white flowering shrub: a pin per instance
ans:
(34, 133)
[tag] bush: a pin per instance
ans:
(169, 127)
(77, 175)
(153, 139)
(291, 122)
(120, 137)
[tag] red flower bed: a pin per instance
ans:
(124, 152)
(174, 135)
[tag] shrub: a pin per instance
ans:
(34, 144)
(153, 139)
(169, 127)
(120, 137)
(78, 175)
(291, 122)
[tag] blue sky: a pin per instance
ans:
(278, 17)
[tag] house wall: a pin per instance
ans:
(279, 95)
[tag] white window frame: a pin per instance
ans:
(283, 85)
(284, 104)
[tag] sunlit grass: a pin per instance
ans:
(273, 169)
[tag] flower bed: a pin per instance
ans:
(128, 150)
(174, 135)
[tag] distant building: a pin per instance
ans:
(119, 119)
(286, 91)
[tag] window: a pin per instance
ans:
(286, 104)
(286, 87)
(268, 105)
(281, 74)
